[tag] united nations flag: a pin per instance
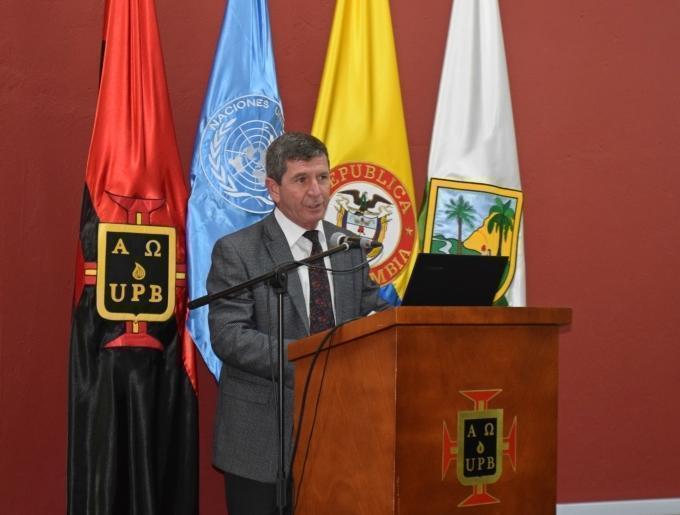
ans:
(241, 115)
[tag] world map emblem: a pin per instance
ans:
(233, 148)
(371, 201)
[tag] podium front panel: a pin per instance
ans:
(476, 419)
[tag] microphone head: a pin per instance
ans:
(337, 239)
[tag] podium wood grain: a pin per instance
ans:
(392, 380)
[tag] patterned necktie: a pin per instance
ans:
(320, 305)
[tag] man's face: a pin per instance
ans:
(304, 191)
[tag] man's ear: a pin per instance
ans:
(274, 189)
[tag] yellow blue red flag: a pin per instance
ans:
(359, 115)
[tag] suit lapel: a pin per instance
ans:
(278, 249)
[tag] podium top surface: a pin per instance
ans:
(442, 316)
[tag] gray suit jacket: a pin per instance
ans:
(243, 333)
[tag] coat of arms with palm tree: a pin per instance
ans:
(467, 235)
(473, 219)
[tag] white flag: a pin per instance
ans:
(473, 138)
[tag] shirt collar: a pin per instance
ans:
(292, 231)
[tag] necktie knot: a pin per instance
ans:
(313, 236)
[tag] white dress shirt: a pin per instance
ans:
(301, 248)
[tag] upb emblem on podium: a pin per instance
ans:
(479, 447)
(480, 434)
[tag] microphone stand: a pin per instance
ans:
(278, 279)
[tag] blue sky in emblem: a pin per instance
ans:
(481, 202)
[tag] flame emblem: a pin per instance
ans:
(138, 273)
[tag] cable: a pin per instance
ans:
(313, 426)
(325, 340)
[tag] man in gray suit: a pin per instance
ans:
(243, 329)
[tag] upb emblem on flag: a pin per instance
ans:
(233, 147)
(137, 269)
(474, 219)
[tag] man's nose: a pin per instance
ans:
(314, 187)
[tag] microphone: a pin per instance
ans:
(339, 238)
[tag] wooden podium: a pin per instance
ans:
(430, 411)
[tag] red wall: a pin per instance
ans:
(596, 95)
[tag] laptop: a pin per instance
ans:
(454, 280)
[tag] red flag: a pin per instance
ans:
(132, 396)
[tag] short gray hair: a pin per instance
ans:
(291, 146)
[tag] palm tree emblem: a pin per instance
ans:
(502, 219)
(463, 212)
(475, 219)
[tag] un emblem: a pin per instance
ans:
(233, 148)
